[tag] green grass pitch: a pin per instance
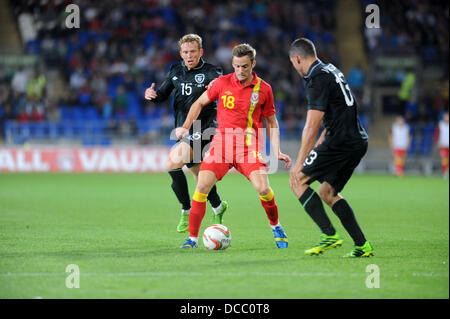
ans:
(120, 230)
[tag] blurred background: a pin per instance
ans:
(81, 89)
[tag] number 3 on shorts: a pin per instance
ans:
(311, 157)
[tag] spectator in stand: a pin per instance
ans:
(36, 85)
(356, 79)
(400, 141)
(121, 101)
(19, 81)
(407, 91)
(37, 113)
(23, 117)
(78, 78)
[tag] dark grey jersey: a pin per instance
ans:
(327, 90)
(187, 86)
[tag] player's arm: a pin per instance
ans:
(160, 95)
(274, 135)
(321, 138)
(309, 136)
(318, 92)
(193, 114)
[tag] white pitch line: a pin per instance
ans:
(225, 274)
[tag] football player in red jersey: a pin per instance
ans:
(243, 100)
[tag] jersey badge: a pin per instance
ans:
(199, 78)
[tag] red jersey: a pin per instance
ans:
(241, 108)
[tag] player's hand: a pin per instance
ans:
(180, 132)
(150, 93)
(294, 177)
(286, 159)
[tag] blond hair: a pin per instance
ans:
(244, 49)
(191, 38)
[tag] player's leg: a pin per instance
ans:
(342, 210)
(345, 213)
(399, 162)
(329, 192)
(218, 206)
(178, 156)
(212, 169)
(444, 153)
(206, 180)
(258, 177)
(313, 205)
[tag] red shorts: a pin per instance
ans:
(220, 159)
(443, 151)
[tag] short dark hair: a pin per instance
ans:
(303, 47)
(243, 50)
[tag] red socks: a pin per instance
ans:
(198, 209)
(271, 208)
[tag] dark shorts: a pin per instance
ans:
(332, 165)
(199, 142)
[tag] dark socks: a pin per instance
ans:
(213, 197)
(345, 213)
(181, 190)
(180, 187)
(312, 203)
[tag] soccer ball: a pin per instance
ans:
(216, 237)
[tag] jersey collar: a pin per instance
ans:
(199, 66)
(253, 82)
(311, 68)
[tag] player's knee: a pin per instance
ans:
(206, 181)
(263, 190)
(170, 165)
(204, 188)
(327, 193)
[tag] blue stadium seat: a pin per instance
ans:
(77, 113)
(91, 113)
(38, 130)
(413, 146)
(134, 105)
(426, 143)
(53, 130)
(84, 98)
(67, 130)
(66, 112)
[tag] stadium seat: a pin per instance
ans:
(90, 113)
(413, 146)
(426, 144)
(77, 113)
(38, 130)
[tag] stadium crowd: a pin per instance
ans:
(123, 46)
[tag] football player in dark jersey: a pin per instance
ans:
(332, 159)
(188, 79)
